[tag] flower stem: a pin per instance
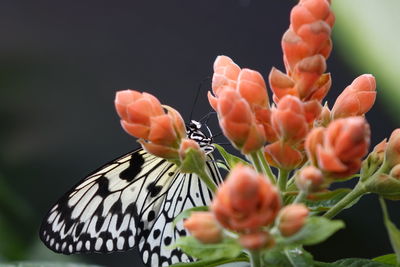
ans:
(300, 196)
(357, 192)
(207, 180)
(256, 162)
(266, 167)
(282, 180)
(255, 258)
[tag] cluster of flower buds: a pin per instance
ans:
(246, 203)
(238, 95)
(306, 45)
(386, 180)
(160, 129)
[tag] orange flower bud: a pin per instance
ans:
(256, 240)
(345, 143)
(135, 110)
(377, 155)
(203, 226)
(325, 116)
(251, 86)
(282, 155)
(144, 117)
(187, 144)
(307, 72)
(314, 138)
(310, 179)
(357, 98)
(395, 172)
(281, 84)
(292, 218)
(289, 119)
(226, 73)
(246, 201)
(238, 123)
(263, 116)
(392, 154)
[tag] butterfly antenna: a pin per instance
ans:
(197, 96)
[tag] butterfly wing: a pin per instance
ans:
(186, 191)
(130, 201)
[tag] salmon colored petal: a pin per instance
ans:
(162, 131)
(160, 150)
(329, 162)
(136, 130)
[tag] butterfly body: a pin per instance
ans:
(129, 202)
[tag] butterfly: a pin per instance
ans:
(131, 201)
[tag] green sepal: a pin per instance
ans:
(227, 248)
(384, 185)
(186, 213)
(315, 230)
(194, 161)
(231, 160)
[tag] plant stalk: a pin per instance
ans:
(256, 162)
(282, 180)
(266, 167)
(357, 192)
(207, 180)
(255, 258)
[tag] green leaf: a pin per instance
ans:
(388, 259)
(228, 248)
(298, 257)
(355, 262)
(186, 213)
(47, 264)
(231, 160)
(287, 257)
(394, 233)
(316, 230)
(211, 263)
(325, 200)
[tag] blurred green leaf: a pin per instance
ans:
(316, 230)
(367, 36)
(388, 259)
(15, 223)
(227, 248)
(230, 160)
(394, 233)
(288, 257)
(46, 264)
(353, 262)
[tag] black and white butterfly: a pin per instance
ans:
(131, 201)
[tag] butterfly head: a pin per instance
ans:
(194, 132)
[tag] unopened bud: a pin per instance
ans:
(203, 226)
(292, 218)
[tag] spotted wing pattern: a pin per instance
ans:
(130, 201)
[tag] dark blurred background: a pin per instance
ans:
(61, 63)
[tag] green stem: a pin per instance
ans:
(255, 258)
(282, 180)
(256, 162)
(357, 192)
(207, 180)
(266, 167)
(300, 196)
